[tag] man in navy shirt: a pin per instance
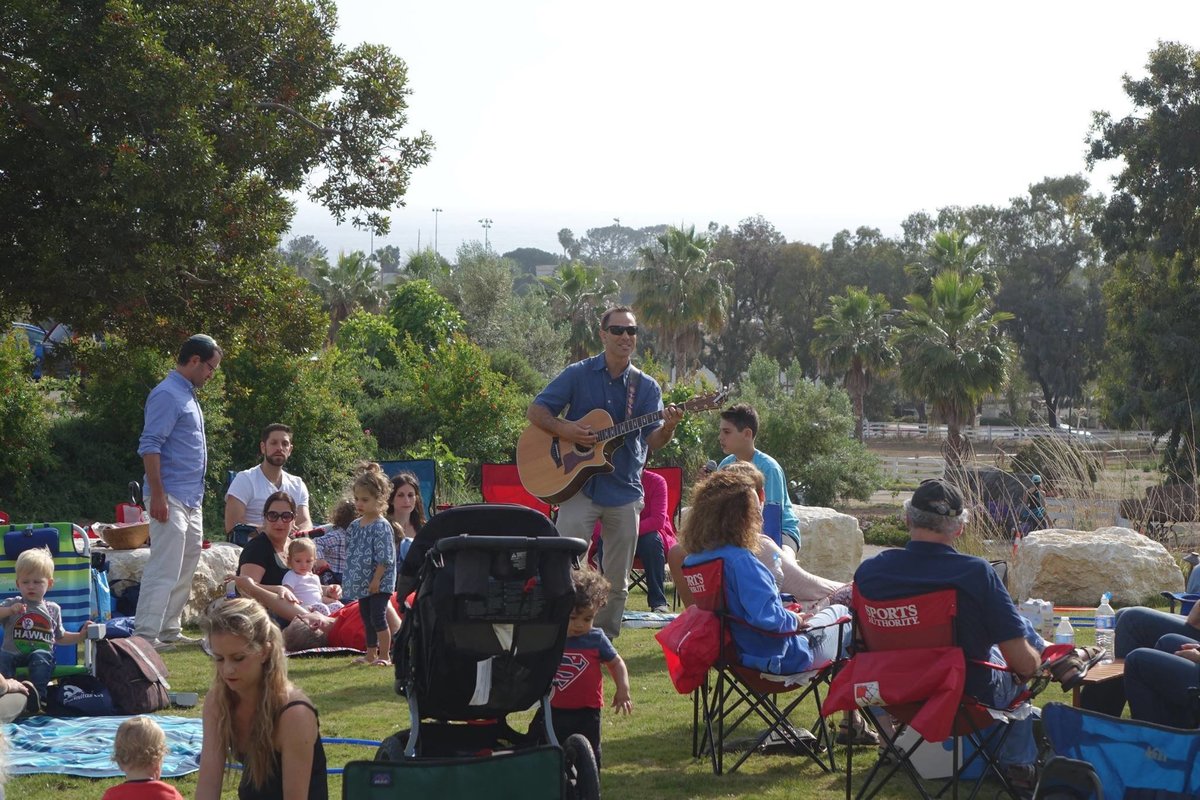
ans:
(988, 626)
(175, 453)
(611, 382)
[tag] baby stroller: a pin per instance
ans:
(483, 639)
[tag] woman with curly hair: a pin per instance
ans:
(811, 591)
(725, 522)
(254, 714)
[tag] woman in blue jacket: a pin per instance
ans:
(725, 522)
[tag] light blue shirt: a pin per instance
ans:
(585, 386)
(174, 429)
(366, 547)
(775, 489)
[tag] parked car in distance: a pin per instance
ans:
(44, 345)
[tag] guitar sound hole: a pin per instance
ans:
(584, 451)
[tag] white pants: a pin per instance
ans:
(175, 547)
(619, 532)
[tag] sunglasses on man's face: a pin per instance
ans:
(617, 330)
(275, 516)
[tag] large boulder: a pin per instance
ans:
(208, 582)
(831, 544)
(1076, 567)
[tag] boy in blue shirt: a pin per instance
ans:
(738, 429)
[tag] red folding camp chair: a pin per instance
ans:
(907, 663)
(742, 693)
(500, 483)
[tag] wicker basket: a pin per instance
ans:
(125, 537)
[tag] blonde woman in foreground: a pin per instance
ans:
(253, 714)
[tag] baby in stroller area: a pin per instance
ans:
(578, 685)
(304, 583)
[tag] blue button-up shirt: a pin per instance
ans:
(174, 429)
(585, 386)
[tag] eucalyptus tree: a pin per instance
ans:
(1152, 224)
(854, 341)
(681, 293)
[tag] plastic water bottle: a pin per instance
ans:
(1064, 634)
(1106, 623)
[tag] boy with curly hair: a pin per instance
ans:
(578, 685)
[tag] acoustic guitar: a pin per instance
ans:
(554, 470)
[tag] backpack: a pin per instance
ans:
(691, 644)
(80, 696)
(134, 674)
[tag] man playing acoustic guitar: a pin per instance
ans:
(607, 381)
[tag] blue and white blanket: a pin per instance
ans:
(83, 746)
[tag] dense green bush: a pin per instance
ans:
(312, 395)
(887, 531)
(24, 424)
(417, 310)
(368, 339)
(687, 448)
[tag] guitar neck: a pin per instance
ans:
(622, 428)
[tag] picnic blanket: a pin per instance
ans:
(83, 746)
(646, 619)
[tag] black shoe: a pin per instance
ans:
(33, 702)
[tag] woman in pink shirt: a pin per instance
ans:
(656, 536)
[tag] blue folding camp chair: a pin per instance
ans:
(74, 588)
(426, 471)
(1130, 759)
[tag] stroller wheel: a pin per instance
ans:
(583, 777)
(392, 748)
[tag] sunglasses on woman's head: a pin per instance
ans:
(275, 516)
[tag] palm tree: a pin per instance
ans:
(680, 292)
(953, 352)
(577, 294)
(350, 284)
(854, 340)
(948, 250)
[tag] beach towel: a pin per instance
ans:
(83, 745)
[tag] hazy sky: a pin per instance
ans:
(549, 113)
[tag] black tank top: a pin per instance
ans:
(318, 784)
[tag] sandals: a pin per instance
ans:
(857, 734)
(1070, 669)
(381, 662)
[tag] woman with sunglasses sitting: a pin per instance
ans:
(264, 559)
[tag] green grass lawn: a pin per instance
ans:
(647, 754)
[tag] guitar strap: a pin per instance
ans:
(632, 379)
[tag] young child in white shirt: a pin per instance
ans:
(304, 583)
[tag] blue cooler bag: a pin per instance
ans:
(17, 540)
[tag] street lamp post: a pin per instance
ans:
(486, 223)
(436, 211)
